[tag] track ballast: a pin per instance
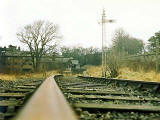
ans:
(111, 99)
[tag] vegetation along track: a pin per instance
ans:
(13, 95)
(111, 99)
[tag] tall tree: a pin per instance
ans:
(124, 44)
(152, 42)
(40, 37)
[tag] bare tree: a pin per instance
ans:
(124, 44)
(40, 37)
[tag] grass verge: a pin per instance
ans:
(126, 73)
(27, 75)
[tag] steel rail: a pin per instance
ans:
(139, 84)
(47, 103)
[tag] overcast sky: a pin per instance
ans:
(78, 19)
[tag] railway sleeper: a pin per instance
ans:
(13, 95)
(96, 92)
(114, 98)
(118, 107)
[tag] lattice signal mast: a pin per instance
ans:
(103, 21)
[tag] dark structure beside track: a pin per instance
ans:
(14, 60)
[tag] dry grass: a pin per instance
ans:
(27, 75)
(95, 71)
(126, 73)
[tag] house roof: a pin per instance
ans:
(75, 62)
(64, 60)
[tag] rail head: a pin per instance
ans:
(47, 103)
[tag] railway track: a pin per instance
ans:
(111, 99)
(13, 95)
(90, 99)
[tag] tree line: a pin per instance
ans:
(86, 56)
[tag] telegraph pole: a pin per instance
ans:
(157, 56)
(103, 26)
(103, 21)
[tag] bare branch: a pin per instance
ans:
(39, 37)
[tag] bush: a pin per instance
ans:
(113, 64)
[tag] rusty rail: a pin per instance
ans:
(154, 86)
(47, 103)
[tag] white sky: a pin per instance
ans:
(78, 19)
